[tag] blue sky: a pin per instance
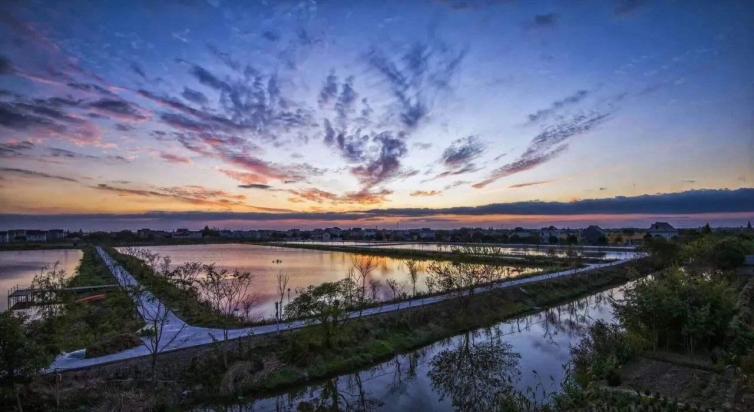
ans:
(320, 107)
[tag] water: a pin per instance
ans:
(594, 252)
(18, 267)
(305, 267)
(521, 357)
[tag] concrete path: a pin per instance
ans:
(177, 334)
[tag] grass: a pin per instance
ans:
(433, 255)
(301, 357)
(185, 303)
(83, 325)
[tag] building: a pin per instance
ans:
(594, 235)
(37, 236)
(55, 235)
(4, 237)
(662, 230)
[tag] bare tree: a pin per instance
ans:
(158, 333)
(374, 287)
(395, 287)
(226, 292)
(413, 266)
(281, 279)
(164, 268)
(185, 275)
(363, 266)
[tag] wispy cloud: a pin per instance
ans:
(36, 174)
(527, 184)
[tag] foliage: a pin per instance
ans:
(602, 352)
(677, 310)
(712, 252)
(326, 303)
(20, 356)
(663, 252)
(112, 344)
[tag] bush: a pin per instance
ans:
(678, 310)
(601, 354)
(112, 344)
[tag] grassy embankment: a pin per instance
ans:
(189, 307)
(303, 356)
(459, 255)
(103, 326)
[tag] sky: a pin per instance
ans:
(439, 113)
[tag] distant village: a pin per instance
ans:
(592, 235)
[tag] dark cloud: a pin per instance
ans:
(557, 105)
(194, 96)
(15, 149)
(545, 20)
(118, 108)
(90, 88)
(69, 154)
(690, 202)
(385, 165)
(415, 77)
(6, 67)
(136, 68)
(173, 158)
(33, 173)
(623, 7)
(547, 145)
(425, 193)
(527, 184)
(462, 151)
(255, 186)
(271, 35)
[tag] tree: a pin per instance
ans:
(185, 275)
(325, 304)
(282, 283)
(161, 327)
(727, 254)
(449, 276)
(227, 293)
(49, 283)
(395, 287)
(363, 266)
(20, 356)
(413, 266)
(374, 288)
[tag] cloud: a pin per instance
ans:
(15, 149)
(689, 202)
(416, 76)
(69, 154)
(173, 158)
(557, 105)
(461, 152)
(119, 109)
(385, 165)
(255, 186)
(624, 7)
(527, 184)
(321, 196)
(192, 194)
(547, 145)
(194, 96)
(6, 67)
(35, 174)
(545, 20)
(425, 193)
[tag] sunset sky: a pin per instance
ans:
(286, 114)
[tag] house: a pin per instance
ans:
(4, 237)
(36, 236)
(662, 230)
(187, 234)
(17, 235)
(55, 235)
(594, 235)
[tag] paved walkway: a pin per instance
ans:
(177, 334)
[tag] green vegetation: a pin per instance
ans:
(177, 291)
(326, 350)
(696, 314)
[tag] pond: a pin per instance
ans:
(524, 358)
(18, 267)
(305, 266)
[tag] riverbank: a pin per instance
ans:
(259, 366)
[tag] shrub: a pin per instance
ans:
(112, 344)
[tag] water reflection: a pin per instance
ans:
(305, 267)
(18, 267)
(514, 364)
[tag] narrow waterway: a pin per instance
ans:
(524, 357)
